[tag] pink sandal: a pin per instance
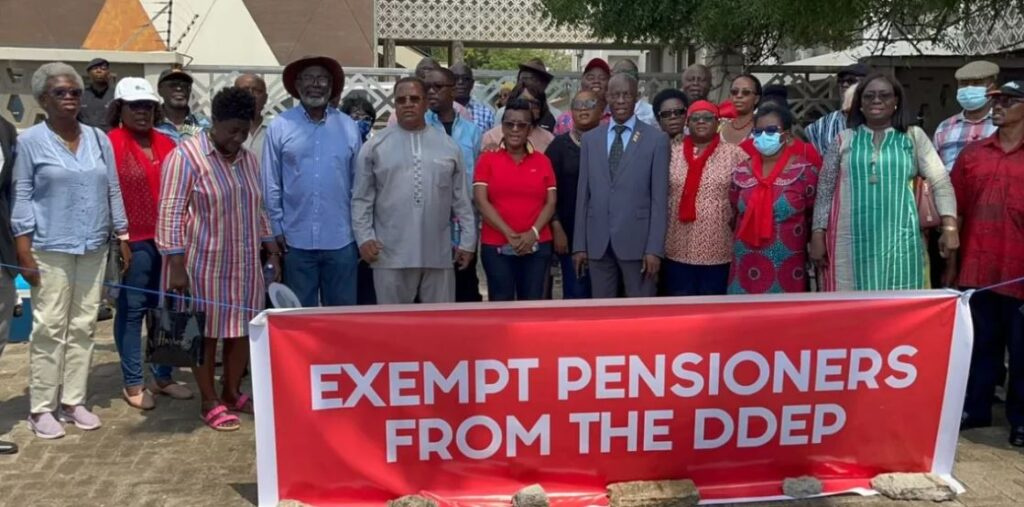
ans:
(243, 405)
(219, 419)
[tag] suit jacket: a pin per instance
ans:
(629, 212)
(8, 254)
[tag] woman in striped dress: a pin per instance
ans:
(209, 229)
(866, 230)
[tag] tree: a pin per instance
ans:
(508, 59)
(758, 29)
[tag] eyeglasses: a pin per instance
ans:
(772, 130)
(515, 125)
(176, 85)
(463, 79)
(870, 97)
(141, 105)
(671, 113)
(315, 80)
(627, 96)
(702, 118)
(1006, 100)
(408, 99)
(582, 105)
(59, 93)
(741, 92)
(438, 86)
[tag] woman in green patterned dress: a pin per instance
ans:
(866, 231)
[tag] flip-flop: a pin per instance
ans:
(219, 419)
(243, 405)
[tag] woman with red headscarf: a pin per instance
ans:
(773, 198)
(698, 243)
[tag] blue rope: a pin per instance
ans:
(173, 295)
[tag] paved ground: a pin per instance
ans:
(167, 457)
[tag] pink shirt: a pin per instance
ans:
(708, 240)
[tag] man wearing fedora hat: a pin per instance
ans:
(534, 75)
(974, 81)
(308, 159)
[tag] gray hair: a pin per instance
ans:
(42, 76)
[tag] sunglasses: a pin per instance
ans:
(772, 130)
(176, 85)
(702, 118)
(578, 105)
(671, 113)
(1006, 100)
(408, 99)
(141, 105)
(741, 92)
(515, 125)
(438, 86)
(315, 80)
(870, 97)
(59, 93)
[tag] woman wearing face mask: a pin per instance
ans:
(360, 109)
(866, 230)
(773, 198)
(698, 242)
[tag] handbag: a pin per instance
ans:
(927, 213)
(175, 337)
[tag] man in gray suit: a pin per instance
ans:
(623, 199)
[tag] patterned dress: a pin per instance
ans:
(212, 211)
(782, 265)
(866, 204)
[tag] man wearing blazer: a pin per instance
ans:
(8, 294)
(622, 206)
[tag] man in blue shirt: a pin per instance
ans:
(440, 85)
(308, 159)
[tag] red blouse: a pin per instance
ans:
(139, 176)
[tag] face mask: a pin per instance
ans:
(972, 98)
(768, 144)
(364, 127)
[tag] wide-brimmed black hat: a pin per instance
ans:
(536, 65)
(292, 71)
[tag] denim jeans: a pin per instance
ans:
(516, 277)
(144, 273)
(573, 287)
(322, 276)
(693, 280)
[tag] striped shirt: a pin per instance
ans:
(825, 130)
(955, 132)
(483, 115)
(211, 210)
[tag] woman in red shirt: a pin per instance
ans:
(514, 188)
(139, 151)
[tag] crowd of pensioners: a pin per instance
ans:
(675, 196)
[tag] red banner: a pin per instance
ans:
(470, 403)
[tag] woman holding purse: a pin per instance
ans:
(867, 228)
(209, 229)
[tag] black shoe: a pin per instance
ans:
(1017, 436)
(105, 313)
(8, 447)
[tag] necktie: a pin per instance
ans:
(615, 156)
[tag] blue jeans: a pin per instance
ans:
(573, 287)
(144, 273)
(692, 280)
(516, 277)
(322, 276)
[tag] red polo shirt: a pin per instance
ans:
(518, 191)
(989, 186)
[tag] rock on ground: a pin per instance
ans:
(900, 486)
(681, 493)
(412, 501)
(802, 487)
(531, 496)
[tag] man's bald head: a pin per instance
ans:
(257, 87)
(697, 82)
(626, 66)
(427, 63)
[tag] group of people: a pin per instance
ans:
(678, 196)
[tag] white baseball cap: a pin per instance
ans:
(135, 89)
